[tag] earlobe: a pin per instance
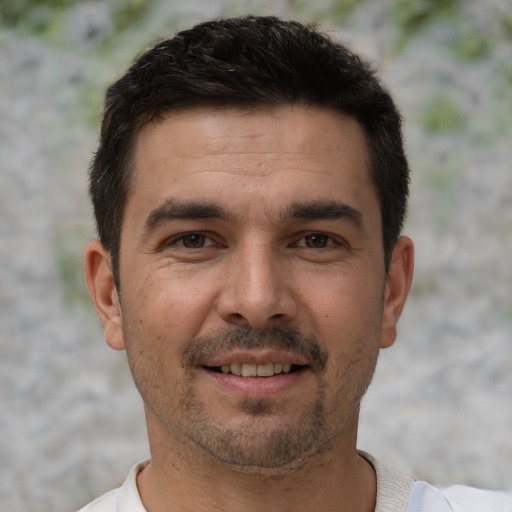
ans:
(100, 281)
(398, 284)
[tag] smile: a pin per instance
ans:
(256, 370)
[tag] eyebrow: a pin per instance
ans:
(330, 210)
(173, 209)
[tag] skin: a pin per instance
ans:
(215, 240)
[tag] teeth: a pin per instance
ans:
(256, 370)
(235, 369)
(265, 370)
(249, 370)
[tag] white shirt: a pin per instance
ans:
(395, 493)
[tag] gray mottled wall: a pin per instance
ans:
(71, 422)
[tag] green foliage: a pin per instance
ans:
(506, 25)
(329, 11)
(443, 179)
(341, 9)
(442, 115)
(473, 46)
(38, 16)
(424, 285)
(35, 15)
(69, 242)
(128, 12)
(91, 99)
(410, 16)
(13, 12)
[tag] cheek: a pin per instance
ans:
(341, 305)
(173, 305)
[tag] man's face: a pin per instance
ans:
(253, 290)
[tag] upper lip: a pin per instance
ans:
(256, 357)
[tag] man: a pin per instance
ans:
(249, 189)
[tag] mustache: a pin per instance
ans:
(202, 348)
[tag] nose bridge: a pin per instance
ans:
(256, 291)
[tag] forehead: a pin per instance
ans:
(264, 158)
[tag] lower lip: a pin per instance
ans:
(258, 387)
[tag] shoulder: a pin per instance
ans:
(123, 499)
(401, 493)
(105, 503)
(393, 489)
(458, 498)
(470, 499)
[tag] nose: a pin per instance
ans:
(258, 289)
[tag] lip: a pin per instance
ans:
(256, 357)
(257, 387)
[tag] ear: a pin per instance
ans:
(398, 284)
(100, 281)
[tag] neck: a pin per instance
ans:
(180, 478)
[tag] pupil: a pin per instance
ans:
(193, 241)
(316, 240)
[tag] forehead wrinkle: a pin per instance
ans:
(256, 168)
(230, 151)
(241, 171)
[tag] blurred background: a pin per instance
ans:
(440, 407)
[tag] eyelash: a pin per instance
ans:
(181, 239)
(330, 241)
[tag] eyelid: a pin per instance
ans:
(175, 239)
(333, 240)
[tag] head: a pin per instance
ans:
(249, 63)
(249, 188)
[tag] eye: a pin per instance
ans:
(193, 240)
(316, 241)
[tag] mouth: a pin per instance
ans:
(257, 374)
(256, 370)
